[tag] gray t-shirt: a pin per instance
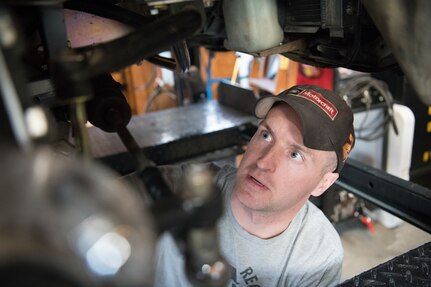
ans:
(307, 253)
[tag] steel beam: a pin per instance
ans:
(406, 200)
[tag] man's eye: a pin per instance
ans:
(266, 136)
(296, 155)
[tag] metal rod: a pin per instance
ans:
(79, 119)
(133, 148)
(167, 63)
(13, 106)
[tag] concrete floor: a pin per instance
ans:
(364, 250)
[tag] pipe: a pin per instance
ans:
(114, 55)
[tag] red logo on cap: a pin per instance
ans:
(320, 101)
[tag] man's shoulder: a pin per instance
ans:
(224, 175)
(317, 252)
(315, 217)
(226, 170)
(315, 213)
(319, 229)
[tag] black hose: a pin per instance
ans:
(165, 62)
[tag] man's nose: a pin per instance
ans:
(267, 160)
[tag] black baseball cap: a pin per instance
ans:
(327, 120)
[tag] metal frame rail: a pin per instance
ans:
(406, 200)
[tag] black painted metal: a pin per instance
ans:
(412, 268)
(111, 11)
(127, 50)
(404, 199)
(176, 135)
(196, 146)
(170, 125)
(54, 29)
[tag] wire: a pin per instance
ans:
(161, 89)
(364, 89)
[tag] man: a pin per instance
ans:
(270, 234)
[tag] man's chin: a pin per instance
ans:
(249, 199)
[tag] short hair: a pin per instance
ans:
(331, 163)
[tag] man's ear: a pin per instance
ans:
(327, 180)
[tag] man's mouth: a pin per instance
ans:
(257, 182)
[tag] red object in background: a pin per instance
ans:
(323, 77)
(367, 222)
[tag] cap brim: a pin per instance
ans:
(264, 105)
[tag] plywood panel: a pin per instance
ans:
(222, 66)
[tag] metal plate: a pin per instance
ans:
(412, 268)
(175, 134)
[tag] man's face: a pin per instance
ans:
(277, 171)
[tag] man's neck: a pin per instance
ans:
(263, 224)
